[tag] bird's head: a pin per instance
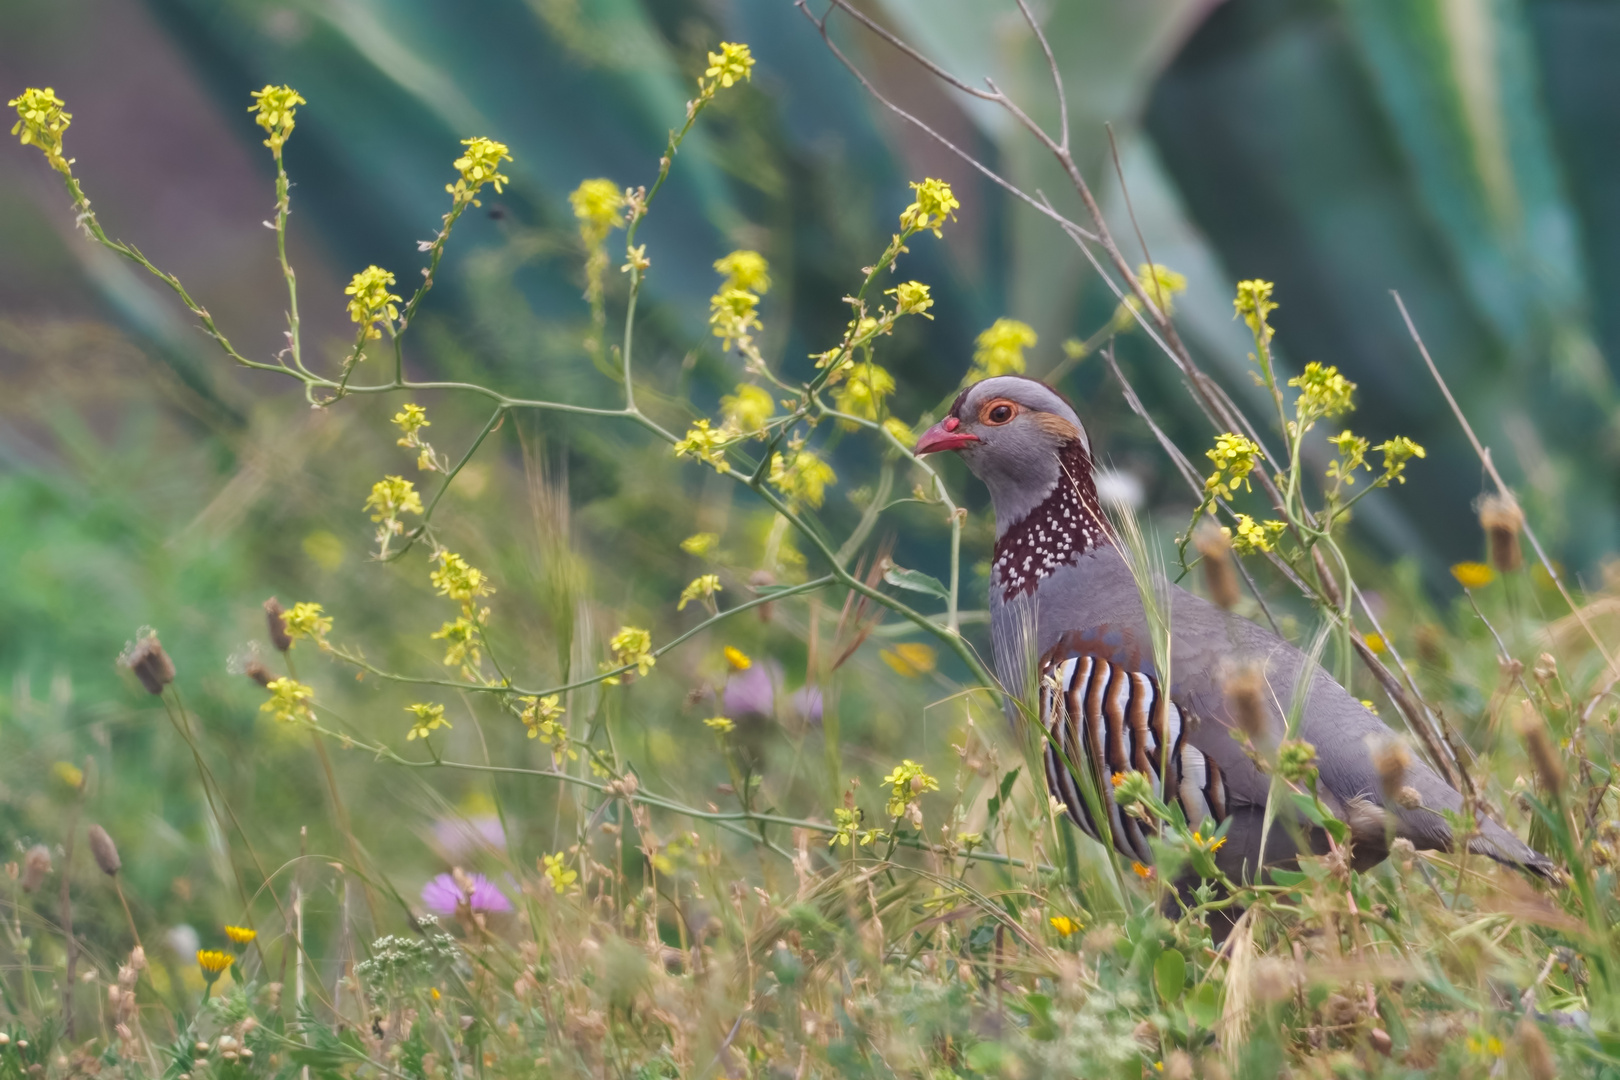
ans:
(1017, 435)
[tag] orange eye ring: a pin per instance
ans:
(998, 411)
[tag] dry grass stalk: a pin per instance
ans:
(1220, 577)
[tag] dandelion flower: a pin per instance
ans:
(240, 935)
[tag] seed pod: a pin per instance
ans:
(1543, 755)
(1391, 759)
(36, 867)
(1220, 578)
(146, 658)
(275, 619)
(1546, 669)
(105, 851)
(1245, 699)
(1501, 518)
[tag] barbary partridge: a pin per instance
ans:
(1065, 608)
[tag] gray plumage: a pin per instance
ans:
(1068, 628)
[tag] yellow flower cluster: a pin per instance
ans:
(701, 588)
(1254, 302)
(557, 874)
(390, 497)
(911, 298)
(631, 646)
(372, 303)
(213, 963)
(276, 106)
(1397, 452)
(289, 701)
(731, 65)
(1254, 537)
(240, 935)
(478, 165)
(40, 122)
(747, 410)
(999, 350)
(1235, 456)
(932, 206)
(1473, 575)
(706, 444)
(862, 392)
(732, 316)
(906, 782)
(410, 420)
(1161, 284)
(541, 715)
(429, 718)
(736, 659)
(307, 620)
(722, 725)
(460, 639)
(849, 829)
(745, 269)
(598, 206)
(700, 544)
(459, 581)
(802, 477)
(1323, 393)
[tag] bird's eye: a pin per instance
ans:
(999, 414)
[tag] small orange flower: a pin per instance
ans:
(1141, 871)
(1117, 779)
(1473, 575)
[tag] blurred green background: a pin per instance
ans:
(1462, 152)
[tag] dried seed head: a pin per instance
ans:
(275, 620)
(146, 658)
(1245, 699)
(36, 867)
(1534, 1051)
(246, 661)
(1272, 980)
(105, 851)
(1220, 578)
(1431, 646)
(1546, 669)
(1409, 798)
(1391, 759)
(1543, 755)
(1501, 518)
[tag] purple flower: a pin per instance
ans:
(753, 692)
(461, 837)
(445, 896)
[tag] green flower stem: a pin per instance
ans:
(283, 208)
(427, 514)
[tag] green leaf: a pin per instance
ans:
(916, 581)
(1204, 1005)
(1170, 975)
(999, 799)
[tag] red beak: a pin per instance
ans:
(944, 436)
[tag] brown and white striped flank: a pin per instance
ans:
(1106, 719)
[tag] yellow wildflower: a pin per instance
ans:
(457, 580)
(999, 350)
(906, 782)
(631, 646)
(732, 64)
(738, 659)
(372, 303)
(540, 716)
(1161, 284)
(41, 121)
(1397, 452)
(598, 206)
(701, 588)
(862, 393)
(240, 935)
(802, 478)
(911, 298)
(429, 718)
(745, 270)
(700, 544)
(899, 431)
(848, 822)
(1235, 457)
(747, 410)
(1352, 450)
(1254, 537)
(478, 165)
(70, 774)
(1254, 302)
(721, 724)
(213, 963)
(732, 315)
(392, 496)
(1376, 643)
(306, 620)
(706, 444)
(1473, 575)
(411, 419)
(909, 659)
(1064, 925)
(276, 106)
(557, 874)
(1141, 871)
(1323, 393)
(932, 206)
(461, 648)
(289, 701)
